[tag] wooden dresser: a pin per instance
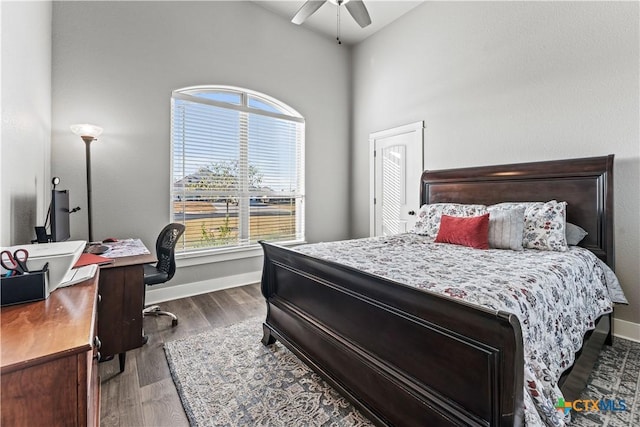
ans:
(48, 357)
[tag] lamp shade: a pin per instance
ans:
(86, 130)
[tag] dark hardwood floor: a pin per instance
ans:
(144, 394)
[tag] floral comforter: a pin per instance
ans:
(560, 293)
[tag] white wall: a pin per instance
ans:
(26, 119)
(507, 82)
(115, 65)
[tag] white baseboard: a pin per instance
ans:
(626, 330)
(155, 296)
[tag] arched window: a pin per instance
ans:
(238, 168)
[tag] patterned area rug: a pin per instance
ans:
(615, 381)
(226, 377)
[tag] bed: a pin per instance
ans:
(358, 330)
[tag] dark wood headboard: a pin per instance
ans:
(585, 184)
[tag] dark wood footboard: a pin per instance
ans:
(402, 356)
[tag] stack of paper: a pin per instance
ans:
(77, 275)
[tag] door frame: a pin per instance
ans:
(417, 129)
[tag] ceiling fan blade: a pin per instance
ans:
(307, 9)
(358, 10)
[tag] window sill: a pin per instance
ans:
(209, 256)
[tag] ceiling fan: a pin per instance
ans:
(356, 8)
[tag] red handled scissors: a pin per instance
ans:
(16, 262)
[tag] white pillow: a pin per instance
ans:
(575, 234)
(506, 228)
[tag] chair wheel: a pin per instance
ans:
(174, 322)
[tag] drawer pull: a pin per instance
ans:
(97, 342)
(97, 356)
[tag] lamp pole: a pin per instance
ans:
(88, 133)
(87, 141)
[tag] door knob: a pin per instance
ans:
(412, 212)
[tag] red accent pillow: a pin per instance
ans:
(467, 231)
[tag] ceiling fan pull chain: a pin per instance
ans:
(338, 23)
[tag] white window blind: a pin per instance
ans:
(238, 168)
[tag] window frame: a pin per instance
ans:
(196, 256)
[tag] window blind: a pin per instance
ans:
(238, 170)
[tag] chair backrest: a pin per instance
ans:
(166, 248)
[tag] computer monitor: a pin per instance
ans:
(60, 230)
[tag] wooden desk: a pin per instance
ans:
(122, 300)
(48, 359)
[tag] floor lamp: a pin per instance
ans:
(88, 133)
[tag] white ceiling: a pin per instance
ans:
(324, 20)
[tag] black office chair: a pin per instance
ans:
(165, 268)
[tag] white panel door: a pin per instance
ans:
(396, 163)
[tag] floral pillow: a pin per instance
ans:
(428, 221)
(544, 224)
